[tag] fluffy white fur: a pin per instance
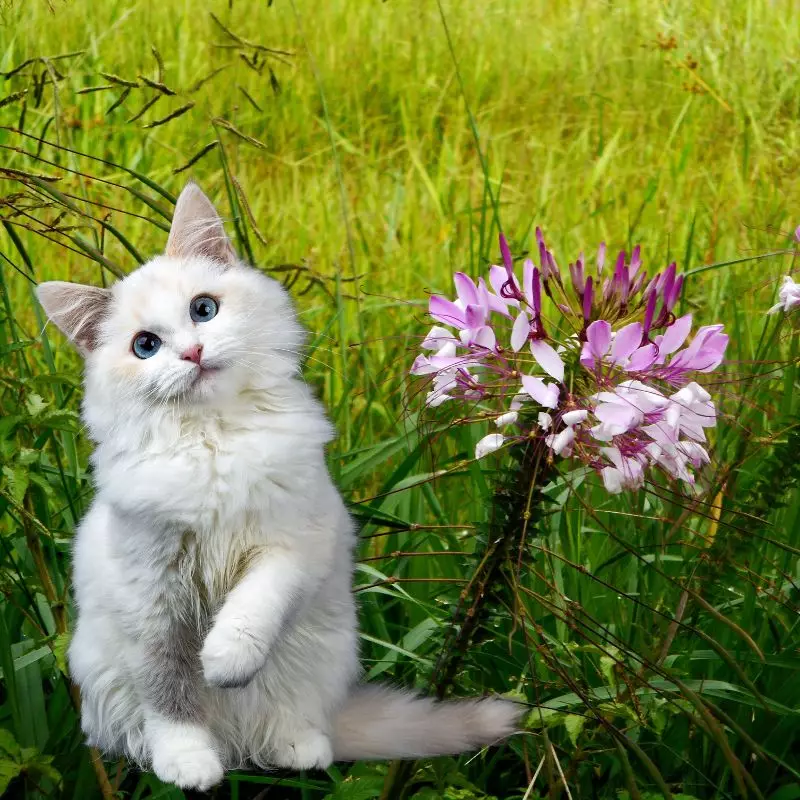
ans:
(216, 624)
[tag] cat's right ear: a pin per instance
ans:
(77, 310)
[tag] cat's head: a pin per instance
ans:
(192, 326)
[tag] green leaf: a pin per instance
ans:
(607, 664)
(61, 418)
(8, 745)
(8, 423)
(17, 481)
(35, 404)
(10, 759)
(40, 766)
(60, 645)
(8, 771)
(574, 723)
(362, 788)
(27, 456)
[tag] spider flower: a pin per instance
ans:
(606, 377)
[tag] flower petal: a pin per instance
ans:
(437, 337)
(598, 337)
(491, 300)
(561, 443)
(642, 359)
(587, 358)
(520, 331)
(574, 417)
(442, 310)
(466, 289)
(548, 359)
(422, 366)
(625, 342)
(498, 277)
(614, 455)
(527, 281)
(509, 418)
(620, 418)
(675, 335)
(475, 316)
(612, 480)
(544, 420)
(544, 394)
(489, 444)
(484, 337)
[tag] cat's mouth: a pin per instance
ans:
(200, 376)
(204, 371)
(197, 382)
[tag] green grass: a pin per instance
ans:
(364, 167)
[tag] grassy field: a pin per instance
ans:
(363, 152)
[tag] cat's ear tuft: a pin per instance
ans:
(76, 309)
(197, 229)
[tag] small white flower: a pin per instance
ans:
(574, 417)
(509, 418)
(788, 296)
(489, 444)
(544, 420)
(561, 443)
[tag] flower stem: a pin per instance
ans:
(516, 506)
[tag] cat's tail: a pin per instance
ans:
(378, 722)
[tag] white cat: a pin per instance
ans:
(216, 624)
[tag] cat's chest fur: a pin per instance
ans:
(212, 474)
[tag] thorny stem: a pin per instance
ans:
(516, 506)
(60, 618)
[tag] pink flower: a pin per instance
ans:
(601, 392)
(469, 312)
(624, 350)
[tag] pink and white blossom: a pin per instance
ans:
(788, 295)
(615, 391)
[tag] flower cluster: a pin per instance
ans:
(602, 370)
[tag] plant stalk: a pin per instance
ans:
(516, 506)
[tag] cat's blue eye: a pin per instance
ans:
(145, 344)
(203, 308)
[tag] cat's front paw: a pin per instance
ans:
(189, 761)
(231, 654)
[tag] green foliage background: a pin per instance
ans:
(363, 151)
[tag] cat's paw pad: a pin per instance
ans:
(188, 763)
(310, 749)
(231, 655)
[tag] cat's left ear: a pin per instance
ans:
(197, 229)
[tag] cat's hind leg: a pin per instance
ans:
(111, 711)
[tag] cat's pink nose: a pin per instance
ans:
(193, 354)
